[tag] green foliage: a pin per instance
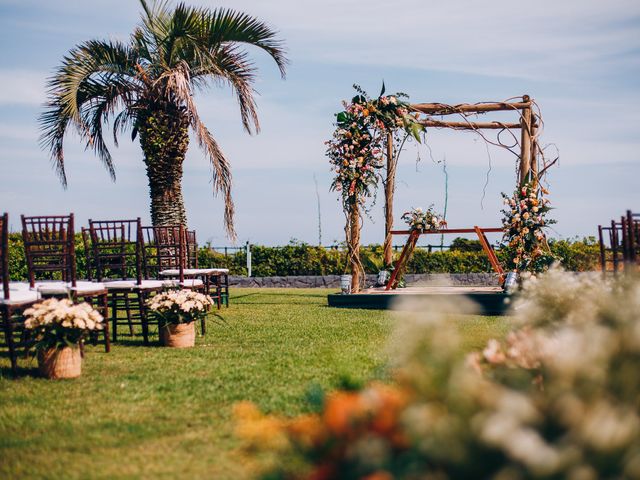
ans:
(465, 245)
(303, 259)
(448, 262)
(577, 255)
(17, 261)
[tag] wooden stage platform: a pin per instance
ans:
(489, 300)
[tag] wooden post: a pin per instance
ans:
(404, 258)
(354, 247)
(631, 237)
(534, 154)
(603, 253)
(614, 246)
(493, 259)
(389, 191)
(525, 142)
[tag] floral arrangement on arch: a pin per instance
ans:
(356, 149)
(524, 223)
(424, 220)
(179, 306)
(58, 323)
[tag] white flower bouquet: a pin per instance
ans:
(424, 220)
(179, 306)
(58, 323)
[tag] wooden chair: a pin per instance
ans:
(15, 298)
(168, 247)
(88, 257)
(119, 261)
(216, 277)
(49, 247)
(177, 259)
(631, 226)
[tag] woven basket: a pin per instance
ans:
(58, 363)
(179, 335)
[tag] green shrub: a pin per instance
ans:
(303, 259)
(465, 245)
(577, 255)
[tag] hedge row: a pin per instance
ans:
(303, 259)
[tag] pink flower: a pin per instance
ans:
(493, 352)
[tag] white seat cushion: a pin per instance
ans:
(17, 297)
(173, 272)
(132, 284)
(86, 287)
(191, 283)
(188, 283)
(64, 288)
(19, 286)
(52, 288)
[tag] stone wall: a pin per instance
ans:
(333, 281)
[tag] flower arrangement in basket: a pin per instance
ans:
(176, 311)
(424, 220)
(56, 327)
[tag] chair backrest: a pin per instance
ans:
(88, 255)
(170, 244)
(150, 265)
(633, 236)
(192, 248)
(49, 247)
(117, 250)
(4, 254)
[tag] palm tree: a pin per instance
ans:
(147, 85)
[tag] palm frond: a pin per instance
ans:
(178, 86)
(230, 65)
(224, 26)
(156, 19)
(85, 89)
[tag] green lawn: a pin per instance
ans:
(156, 412)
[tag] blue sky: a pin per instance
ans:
(580, 60)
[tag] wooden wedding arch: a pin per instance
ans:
(525, 145)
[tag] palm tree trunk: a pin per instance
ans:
(164, 138)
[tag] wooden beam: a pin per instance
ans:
(449, 230)
(444, 109)
(404, 258)
(389, 191)
(493, 258)
(603, 252)
(354, 248)
(469, 125)
(525, 143)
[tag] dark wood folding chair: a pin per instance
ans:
(171, 253)
(631, 222)
(15, 298)
(216, 277)
(120, 263)
(88, 257)
(177, 259)
(49, 247)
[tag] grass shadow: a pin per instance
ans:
(21, 372)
